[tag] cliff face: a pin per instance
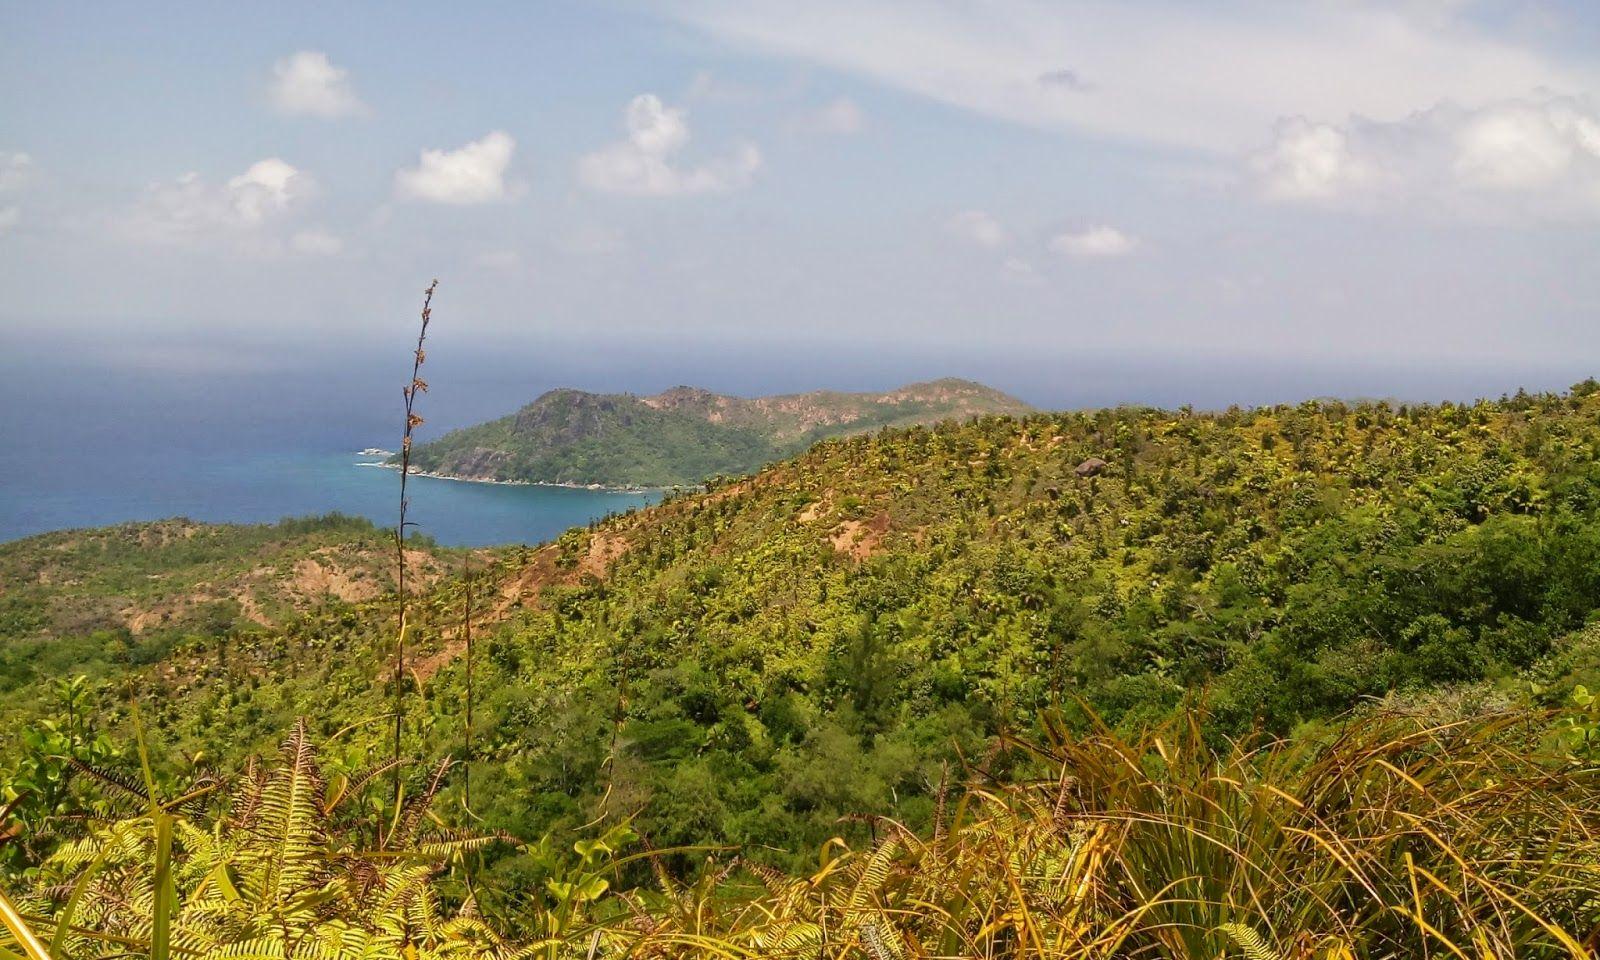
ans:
(686, 434)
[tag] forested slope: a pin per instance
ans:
(685, 435)
(96, 602)
(751, 663)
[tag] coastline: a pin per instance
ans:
(591, 487)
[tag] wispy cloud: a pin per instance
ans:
(1014, 59)
(1097, 241)
(502, 259)
(709, 87)
(1019, 270)
(1065, 80)
(976, 226)
(838, 117)
(316, 242)
(192, 209)
(16, 169)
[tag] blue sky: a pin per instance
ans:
(1405, 183)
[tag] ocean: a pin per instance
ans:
(244, 488)
(85, 445)
(96, 432)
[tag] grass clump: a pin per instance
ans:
(1393, 839)
(1390, 838)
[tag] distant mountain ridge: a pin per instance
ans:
(684, 435)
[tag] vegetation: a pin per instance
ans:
(95, 602)
(293, 864)
(685, 435)
(884, 604)
(1394, 839)
(1184, 609)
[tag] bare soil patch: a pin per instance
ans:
(860, 539)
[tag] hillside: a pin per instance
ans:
(685, 435)
(95, 602)
(831, 635)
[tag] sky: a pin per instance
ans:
(828, 194)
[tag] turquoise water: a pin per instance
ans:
(86, 446)
(253, 488)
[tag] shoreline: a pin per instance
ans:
(590, 487)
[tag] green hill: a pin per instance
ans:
(685, 435)
(824, 638)
(98, 602)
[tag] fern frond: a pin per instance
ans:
(257, 948)
(355, 784)
(871, 878)
(446, 846)
(792, 938)
(246, 802)
(1250, 943)
(882, 940)
(118, 782)
(417, 807)
(288, 834)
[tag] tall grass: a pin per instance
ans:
(1392, 838)
(1395, 839)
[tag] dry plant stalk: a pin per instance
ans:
(416, 386)
(467, 630)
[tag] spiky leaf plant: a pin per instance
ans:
(282, 872)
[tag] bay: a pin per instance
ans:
(266, 488)
(85, 445)
(242, 488)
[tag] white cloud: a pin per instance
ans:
(840, 117)
(641, 165)
(316, 243)
(1530, 157)
(1529, 146)
(1098, 241)
(1308, 162)
(267, 188)
(475, 173)
(9, 217)
(977, 227)
(499, 259)
(307, 84)
(1208, 76)
(191, 209)
(16, 168)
